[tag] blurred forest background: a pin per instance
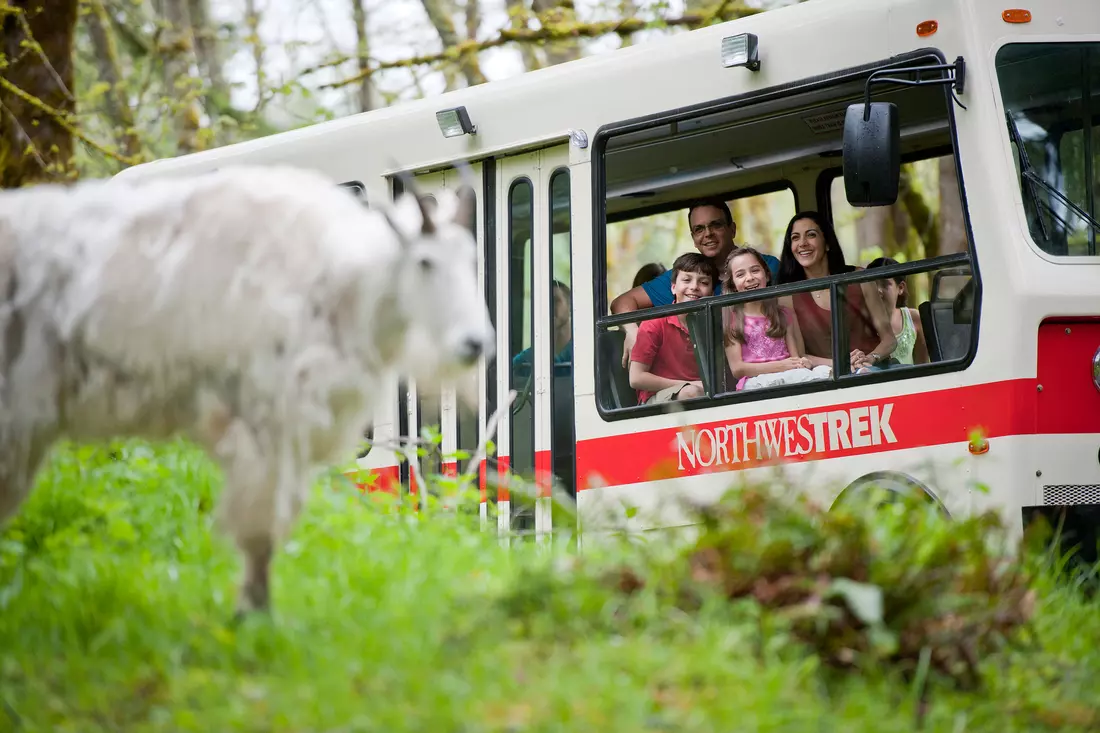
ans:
(89, 87)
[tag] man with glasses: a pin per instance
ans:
(712, 231)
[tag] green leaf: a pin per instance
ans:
(864, 599)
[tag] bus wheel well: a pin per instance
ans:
(895, 482)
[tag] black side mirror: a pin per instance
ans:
(872, 154)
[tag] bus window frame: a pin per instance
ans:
(759, 189)
(833, 282)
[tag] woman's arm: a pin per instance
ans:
(794, 340)
(880, 318)
(920, 349)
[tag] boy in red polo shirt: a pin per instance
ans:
(662, 362)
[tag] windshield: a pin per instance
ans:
(1051, 94)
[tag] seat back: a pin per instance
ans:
(616, 380)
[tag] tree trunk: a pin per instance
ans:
(517, 11)
(952, 230)
(925, 221)
(208, 54)
(473, 19)
(362, 52)
(36, 142)
(107, 65)
(439, 14)
(558, 12)
(873, 230)
(176, 52)
(252, 20)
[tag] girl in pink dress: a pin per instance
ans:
(761, 336)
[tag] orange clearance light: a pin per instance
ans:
(1016, 15)
(927, 28)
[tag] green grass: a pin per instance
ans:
(116, 601)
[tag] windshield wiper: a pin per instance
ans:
(1027, 172)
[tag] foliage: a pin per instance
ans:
(116, 601)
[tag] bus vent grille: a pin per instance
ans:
(1067, 494)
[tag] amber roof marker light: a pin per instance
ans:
(1016, 15)
(927, 28)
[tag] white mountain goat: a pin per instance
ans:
(256, 311)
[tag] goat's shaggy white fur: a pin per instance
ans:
(256, 311)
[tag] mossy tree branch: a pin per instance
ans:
(549, 31)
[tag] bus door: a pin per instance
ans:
(448, 418)
(534, 338)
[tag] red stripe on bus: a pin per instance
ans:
(388, 480)
(543, 474)
(450, 468)
(502, 476)
(856, 428)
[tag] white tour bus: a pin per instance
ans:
(982, 122)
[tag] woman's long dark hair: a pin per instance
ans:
(789, 269)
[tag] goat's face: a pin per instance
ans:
(448, 326)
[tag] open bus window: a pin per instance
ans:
(926, 221)
(915, 315)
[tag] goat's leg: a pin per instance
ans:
(19, 462)
(13, 490)
(247, 511)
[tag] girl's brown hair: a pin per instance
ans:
(735, 327)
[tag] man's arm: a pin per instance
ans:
(632, 300)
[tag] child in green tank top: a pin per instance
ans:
(905, 322)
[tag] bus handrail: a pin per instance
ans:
(776, 291)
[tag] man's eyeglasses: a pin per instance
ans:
(715, 226)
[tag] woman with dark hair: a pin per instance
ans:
(811, 250)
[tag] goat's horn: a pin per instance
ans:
(467, 195)
(409, 184)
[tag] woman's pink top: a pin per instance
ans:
(759, 346)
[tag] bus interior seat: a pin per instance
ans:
(946, 322)
(617, 381)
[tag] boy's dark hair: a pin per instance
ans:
(903, 295)
(696, 263)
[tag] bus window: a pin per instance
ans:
(561, 309)
(466, 419)
(521, 328)
(1051, 93)
(429, 420)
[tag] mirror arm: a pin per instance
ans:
(957, 80)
